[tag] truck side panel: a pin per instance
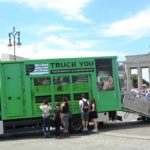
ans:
(12, 96)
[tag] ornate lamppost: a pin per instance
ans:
(13, 35)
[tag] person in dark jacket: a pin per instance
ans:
(57, 120)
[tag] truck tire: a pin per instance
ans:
(75, 124)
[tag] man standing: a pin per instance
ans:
(84, 109)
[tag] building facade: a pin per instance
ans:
(137, 62)
(7, 57)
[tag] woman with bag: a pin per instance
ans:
(93, 114)
(65, 115)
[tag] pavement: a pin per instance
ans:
(127, 135)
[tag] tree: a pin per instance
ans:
(134, 79)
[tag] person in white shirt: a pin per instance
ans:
(45, 107)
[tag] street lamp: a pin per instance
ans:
(13, 35)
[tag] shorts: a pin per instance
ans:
(65, 120)
(93, 115)
(85, 116)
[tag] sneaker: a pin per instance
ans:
(44, 134)
(95, 130)
(85, 130)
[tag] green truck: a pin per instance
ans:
(25, 84)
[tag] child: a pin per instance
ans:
(57, 120)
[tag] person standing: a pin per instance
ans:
(45, 107)
(84, 109)
(65, 115)
(57, 120)
(93, 114)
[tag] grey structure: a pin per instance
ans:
(7, 57)
(136, 103)
(136, 62)
(122, 75)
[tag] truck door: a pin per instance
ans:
(13, 90)
(107, 85)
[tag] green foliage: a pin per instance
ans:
(134, 79)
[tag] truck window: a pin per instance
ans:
(104, 74)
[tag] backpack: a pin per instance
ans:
(85, 107)
(65, 108)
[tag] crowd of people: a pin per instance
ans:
(142, 92)
(61, 116)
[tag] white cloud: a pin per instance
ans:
(135, 26)
(4, 47)
(23, 51)
(59, 53)
(70, 9)
(53, 28)
(41, 51)
(58, 41)
(70, 44)
(31, 51)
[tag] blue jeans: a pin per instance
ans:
(46, 125)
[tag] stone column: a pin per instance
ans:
(128, 75)
(149, 75)
(140, 81)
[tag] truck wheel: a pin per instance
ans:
(75, 124)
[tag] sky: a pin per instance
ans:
(75, 28)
